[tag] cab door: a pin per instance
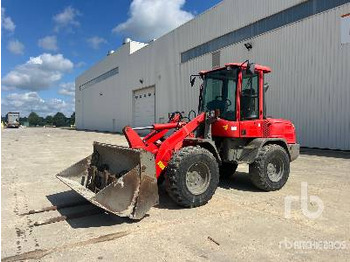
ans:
(251, 107)
(227, 124)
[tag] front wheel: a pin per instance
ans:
(192, 176)
(270, 171)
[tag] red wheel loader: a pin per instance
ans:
(192, 154)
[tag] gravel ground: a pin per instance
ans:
(239, 223)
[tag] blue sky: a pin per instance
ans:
(46, 44)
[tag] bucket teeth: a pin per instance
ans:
(118, 179)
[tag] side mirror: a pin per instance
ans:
(250, 68)
(266, 86)
(193, 79)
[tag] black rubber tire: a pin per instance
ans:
(258, 169)
(175, 176)
(160, 180)
(227, 170)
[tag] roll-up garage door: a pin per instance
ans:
(144, 106)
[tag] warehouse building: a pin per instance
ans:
(306, 43)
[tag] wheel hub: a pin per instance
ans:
(198, 178)
(275, 170)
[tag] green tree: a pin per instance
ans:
(72, 119)
(41, 121)
(22, 120)
(49, 120)
(33, 119)
(59, 119)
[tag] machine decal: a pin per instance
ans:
(161, 165)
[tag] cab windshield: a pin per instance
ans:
(220, 93)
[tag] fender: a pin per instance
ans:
(248, 153)
(205, 143)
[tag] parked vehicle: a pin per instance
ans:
(231, 128)
(12, 119)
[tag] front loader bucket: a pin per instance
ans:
(118, 179)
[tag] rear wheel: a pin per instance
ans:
(192, 176)
(270, 171)
(227, 169)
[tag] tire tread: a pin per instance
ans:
(172, 176)
(257, 169)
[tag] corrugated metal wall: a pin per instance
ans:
(310, 82)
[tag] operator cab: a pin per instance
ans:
(220, 91)
(235, 94)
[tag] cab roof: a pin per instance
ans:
(258, 67)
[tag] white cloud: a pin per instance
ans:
(152, 18)
(67, 89)
(15, 47)
(96, 41)
(48, 43)
(6, 21)
(7, 88)
(80, 64)
(38, 73)
(31, 101)
(66, 19)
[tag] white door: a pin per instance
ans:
(144, 106)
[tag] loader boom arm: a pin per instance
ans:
(160, 146)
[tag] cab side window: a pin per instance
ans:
(250, 97)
